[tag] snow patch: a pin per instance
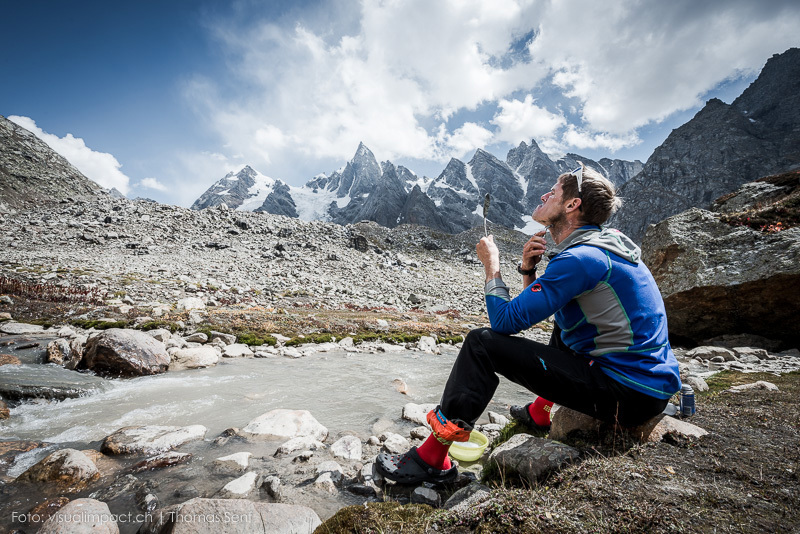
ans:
(529, 226)
(258, 192)
(470, 177)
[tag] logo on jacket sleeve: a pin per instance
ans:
(536, 288)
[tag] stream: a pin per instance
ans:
(348, 392)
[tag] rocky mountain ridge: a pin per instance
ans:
(721, 148)
(31, 172)
(392, 195)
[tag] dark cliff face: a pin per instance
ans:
(721, 148)
(232, 190)
(32, 172)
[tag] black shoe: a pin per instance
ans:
(521, 415)
(409, 468)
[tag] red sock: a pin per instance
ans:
(434, 453)
(540, 411)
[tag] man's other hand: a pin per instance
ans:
(489, 255)
(533, 250)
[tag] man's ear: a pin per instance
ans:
(573, 204)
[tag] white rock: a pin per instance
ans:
(417, 413)
(498, 419)
(66, 331)
(420, 432)
(237, 350)
(81, 516)
(194, 358)
(347, 447)
(395, 443)
(234, 462)
(151, 439)
(241, 487)
(197, 337)
(708, 352)
(325, 482)
(10, 327)
(744, 352)
(290, 352)
(761, 384)
(191, 303)
(161, 334)
(300, 444)
(346, 342)
(335, 470)
(284, 424)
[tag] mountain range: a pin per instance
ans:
(391, 194)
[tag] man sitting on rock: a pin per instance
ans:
(609, 356)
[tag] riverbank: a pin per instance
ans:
(742, 477)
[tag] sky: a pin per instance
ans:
(162, 99)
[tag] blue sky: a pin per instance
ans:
(161, 99)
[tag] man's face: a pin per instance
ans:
(551, 210)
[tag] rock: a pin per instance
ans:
(532, 458)
(498, 419)
(161, 334)
(62, 352)
(400, 386)
(273, 486)
(241, 487)
(346, 343)
(761, 384)
(194, 358)
(467, 497)
(39, 382)
(44, 511)
(228, 339)
(423, 495)
(426, 344)
(151, 439)
(237, 350)
(717, 278)
(252, 518)
(14, 328)
(750, 353)
(697, 383)
(300, 443)
(395, 443)
(662, 425)
(66, 331)
(9, 359)
(729, 341)
(191, 303)
(161, 461)
(237, 462)
(420, 432)
(122, 352)
(282, 423)
(709, 352)
(81, 516)
(197, 337)
(417, 413)
(564, 421)
(70, 469)
(347, 447)
(326, 482)
(5, 413)
(329, 474)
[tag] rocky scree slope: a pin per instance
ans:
(31, 172)
(151, 253)
(721, 148)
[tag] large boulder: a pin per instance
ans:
(282, 424)
(194, 358)
(532, 458)
(69, 469)
(81, 516)
(151, 439)
(124, 352)
(232, 516)
(65, 353)
(720, 279)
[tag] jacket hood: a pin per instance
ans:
(608, 239)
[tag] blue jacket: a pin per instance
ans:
(607, 305)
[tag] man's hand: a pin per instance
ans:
(533, 250)
(490, 256)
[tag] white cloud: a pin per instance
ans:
(100, 167)
(461, 142)
(579, 138)
(152, 183)
(306, 92)
(522, 120)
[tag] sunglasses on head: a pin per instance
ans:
(578, 173)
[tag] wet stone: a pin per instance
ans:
(532, 458)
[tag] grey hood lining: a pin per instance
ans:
(607, 239)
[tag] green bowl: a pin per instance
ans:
(469, 451)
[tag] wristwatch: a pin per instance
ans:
(526, 272)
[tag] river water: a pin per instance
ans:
(348, 392)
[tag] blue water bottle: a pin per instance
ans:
(687, 401)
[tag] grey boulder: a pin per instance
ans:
(124, 352)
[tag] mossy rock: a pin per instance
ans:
(379, 517)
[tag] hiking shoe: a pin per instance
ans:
(521, 415)
(409, 468)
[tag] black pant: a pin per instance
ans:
(551, 371)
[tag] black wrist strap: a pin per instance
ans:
(526, 272)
